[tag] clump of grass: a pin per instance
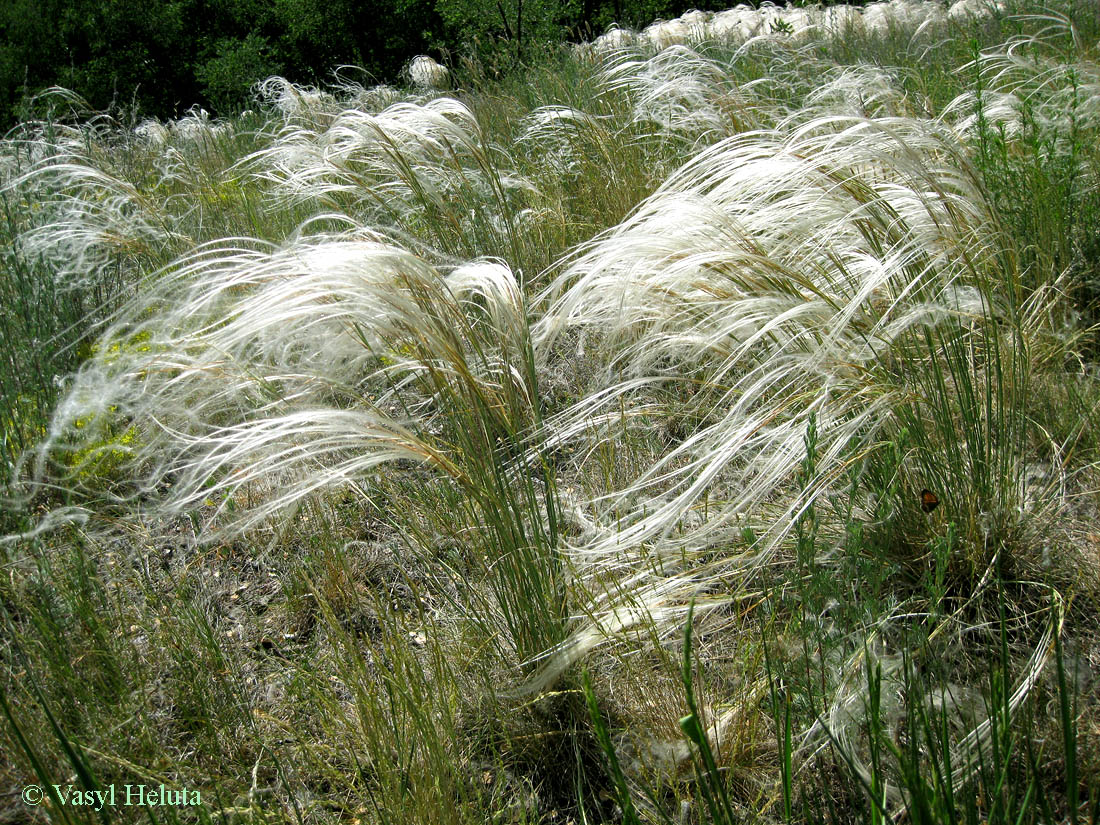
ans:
(419, 370)
(791, 277)
(424, 169)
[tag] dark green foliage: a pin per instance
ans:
(115, 54)
(161, 57)
(228, 76)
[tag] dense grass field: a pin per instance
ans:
(696, 426)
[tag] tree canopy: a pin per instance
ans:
(160, 57)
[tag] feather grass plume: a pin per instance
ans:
(846, 275)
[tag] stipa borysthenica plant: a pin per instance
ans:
(1031, 117)
(423, 169)
(286, 371)
(594, 158)
(90, 213)
(97, 202)
(848, 278)
(682, 94)
(73, 230)
(92, 209)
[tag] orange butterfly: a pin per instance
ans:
(929, 501)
